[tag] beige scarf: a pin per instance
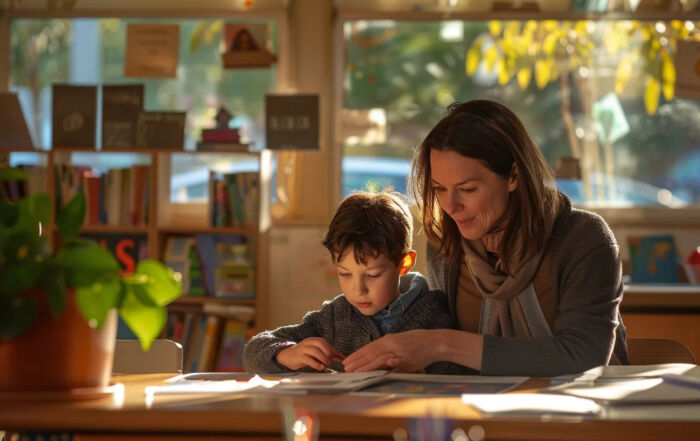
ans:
(510, 307)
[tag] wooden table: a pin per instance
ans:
(258, 417)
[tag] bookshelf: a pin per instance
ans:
(164, 220)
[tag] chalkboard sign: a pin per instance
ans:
(12, 125)
(74, 109)
(121, 106)
(291, 122)
(161, 130)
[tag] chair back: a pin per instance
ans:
(658, 351)
(164, 356)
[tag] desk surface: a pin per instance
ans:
(258, 416)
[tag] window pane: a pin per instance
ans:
(91, 51)
(635, 140)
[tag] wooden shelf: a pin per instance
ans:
(197, 300)
(245, 229)
(22, 150)
(114, 229)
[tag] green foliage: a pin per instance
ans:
(27, 262)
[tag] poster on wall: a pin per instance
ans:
(246, 46)
(688, 70)
(151, 50)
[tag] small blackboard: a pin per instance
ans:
(121, 105)
(74, 109)
(291, 122)
(161, 130)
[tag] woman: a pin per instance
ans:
(534, 284)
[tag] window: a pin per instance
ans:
(636, 141)
(91, 51)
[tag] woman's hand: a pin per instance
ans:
(408, 351)
(314, 352)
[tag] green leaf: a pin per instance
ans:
(71, 216)
(95, 301)
(12, 174)
(86, 263)
(16, 316)
(8, 214)
(145, 321)
(39, 206)
(54, 284)
(162, 286)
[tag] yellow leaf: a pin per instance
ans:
(668, 75)
(646, 33)
(473, 59)
(668, 90)
(503, 76)
(554, 72)
(196, 37)
(530, 26)
(651, 95)
(580, 28)
(623, 74)
(550, 43)
(511, 30)
(542, 71)
(676, 24)
(495, 28)
(490, 57)
(668, 70)
(524, 75)
(550, 25)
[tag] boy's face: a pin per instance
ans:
(369, 288)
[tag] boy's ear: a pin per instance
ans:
(407, 262)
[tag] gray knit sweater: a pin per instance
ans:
(347, 330)
(586, 275)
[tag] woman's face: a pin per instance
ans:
(471, 194)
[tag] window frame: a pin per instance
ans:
(637, 216)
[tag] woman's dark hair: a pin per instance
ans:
(371, 224)
(491, 133)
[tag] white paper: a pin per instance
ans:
(531, 404)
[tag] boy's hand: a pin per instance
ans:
(314, 352)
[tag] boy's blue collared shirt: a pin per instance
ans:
(387, 317)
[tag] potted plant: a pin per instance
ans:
(58, 305)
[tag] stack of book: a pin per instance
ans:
(213, 340)
(233, 199)
(119, 197)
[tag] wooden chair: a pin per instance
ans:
(658, 351)
(164, 356)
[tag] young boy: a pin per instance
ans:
(370, 239)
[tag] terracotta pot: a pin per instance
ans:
(59, 354)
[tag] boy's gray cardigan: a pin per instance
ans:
(347, 330)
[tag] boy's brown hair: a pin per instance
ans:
(371, 224)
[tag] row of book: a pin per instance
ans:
(233, 198)
(15, 189)
(213, 340)
(213, 265)
(119, 197)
